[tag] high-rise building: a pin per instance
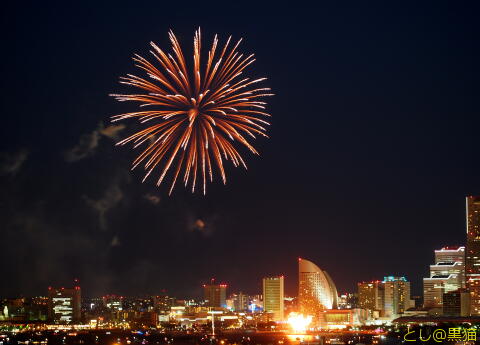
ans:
(316, 290)
(64, 305)
(273, 297)
(472, 257)
(435, 287)
(397, 296)
(215, 295)
(371, 296)
(447, 274)
(450, 254)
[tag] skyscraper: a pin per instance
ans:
(472, 260)
(64, 305)
(450, 254)
(371, 296)
(397, 295)
(447, 274)
(273, 295)
(316, 290)
(215, 295)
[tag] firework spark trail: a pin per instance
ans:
(197, 116)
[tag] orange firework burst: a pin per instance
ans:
(195, 116)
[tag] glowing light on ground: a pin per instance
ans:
(299, 322)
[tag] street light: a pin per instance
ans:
(213, 312)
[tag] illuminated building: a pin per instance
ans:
(14, 309)
(163, 303)
(447, 274)
(434, 288)
(343, 318)
(138, 304)
(450, 254)
(273, 297)
(472, 260)
(36, 308)
(316, 290)
(215, 295)
(397, 296)
(230, 304)
(64, 305)
(290, 304)
(456, 303)
(256, 303)
(113, 302)
(371, 296)
(348, 301)
(239, 302)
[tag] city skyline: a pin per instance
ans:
(372, 148)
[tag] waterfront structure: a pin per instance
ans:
(447, 274)
(343, 318)
(316, 290)
(371, 296)
(472, 257)
(215, 295)
(273, 297)
(397, 296)
(64, 305)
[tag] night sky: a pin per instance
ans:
(374, 146)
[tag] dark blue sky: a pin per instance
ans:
(374, 145)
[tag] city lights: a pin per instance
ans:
(299, 322)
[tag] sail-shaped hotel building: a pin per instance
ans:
(317, 292)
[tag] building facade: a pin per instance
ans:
(472, 257)
(64, 305)
(316, 290)
(371, 296)
(447, 274)
(397, 296)
(273, 297)
(215, 295)
(456, 303)
(343, 318)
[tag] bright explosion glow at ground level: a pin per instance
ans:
(299, 322)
